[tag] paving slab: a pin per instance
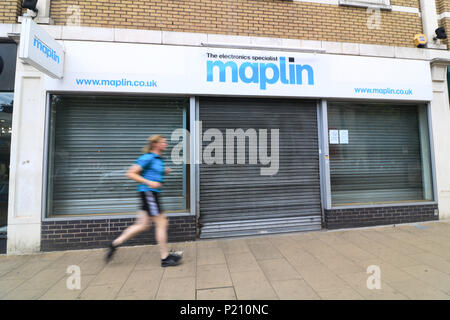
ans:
(43, 280)
(70, 257)
(353, 252)
(210, 256)
(302, 236)
(342, 266)
(148, 261)
(388, 272)
(430, 276)
(60, 290)
(404, 236)
(340, 294)
(141, 285)
(393, 243)
(323, 252)
(234, 246)
(213, 276)
(265, 251)
(399, 260)
(316, 245)
(241, 262)
(294, 290)
(320, 278)
(435, 248)
(208, 244)
(358, 282)
(278, 269)
(333, 239)
(252, 285)
(177, 289)
(7, 265)
(128, 256)
(301, 258)
(283, 241)
(419, 290)
(440, 239)
(7, 286)
(438, 263)
(260, 240)
(101, 292)
(216, 294)
(26, 270)
(92, 264)
(187, 268)
(113, 274)
(24, 294)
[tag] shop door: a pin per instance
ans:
(6, 107)
(236, 199)
(8, 55)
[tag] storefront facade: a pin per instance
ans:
(339, 141)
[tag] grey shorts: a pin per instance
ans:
(150, 203)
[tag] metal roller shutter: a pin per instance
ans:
(95, 140)
(235, 199)
(382, 162)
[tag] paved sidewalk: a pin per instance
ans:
(414, 261)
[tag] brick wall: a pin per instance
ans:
(87, 234)
(364, 217)
(10, 10)
(446, 24)
(406, 3)
(265, 18)
(442, 6)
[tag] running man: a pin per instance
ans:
(149, 171)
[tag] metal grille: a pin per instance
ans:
(235, 199)
(96, 139)
(382, 160)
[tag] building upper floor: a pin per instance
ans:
(379, 22)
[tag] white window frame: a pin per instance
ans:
(382, 4)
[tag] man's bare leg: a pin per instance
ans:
(143, 223)
(161, 224)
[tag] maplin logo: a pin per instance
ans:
(292, 74)
(50, 53)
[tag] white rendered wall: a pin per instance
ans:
(26, 172)
(440, 117)
(429, 21)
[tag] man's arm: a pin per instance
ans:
(134, 173)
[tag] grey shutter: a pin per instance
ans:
(236, 199)
(382, 161)
(96, 139)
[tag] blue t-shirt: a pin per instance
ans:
(152, 169)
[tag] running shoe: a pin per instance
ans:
(111, 250)
(177, 253)
(171, 260)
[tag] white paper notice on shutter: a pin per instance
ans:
(334, 136)
(343, 136)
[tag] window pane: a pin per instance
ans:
(95, 139)
(379, 153)
(6, 108)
